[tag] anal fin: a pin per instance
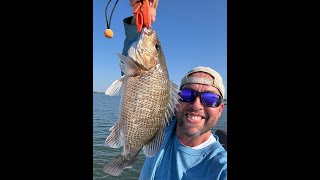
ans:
(114, 140)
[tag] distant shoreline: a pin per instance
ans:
(224, 100)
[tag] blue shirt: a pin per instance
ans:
(131, 33)
(176, 161)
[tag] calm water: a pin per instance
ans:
(105, 113)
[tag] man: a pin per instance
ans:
(189, 150)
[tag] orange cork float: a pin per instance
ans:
(108, 33)
(141, 11)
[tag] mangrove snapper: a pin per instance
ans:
(148, 101)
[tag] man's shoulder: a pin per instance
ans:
(127, 20)
(171, 124)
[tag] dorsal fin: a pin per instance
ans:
(173, 101)
(150, 149)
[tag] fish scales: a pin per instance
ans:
(148, 99)
(143, 108)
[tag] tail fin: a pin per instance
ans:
(116, 166)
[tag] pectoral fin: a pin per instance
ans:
(115, 88)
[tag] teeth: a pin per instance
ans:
(194, 117)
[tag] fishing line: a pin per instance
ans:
(108, 32)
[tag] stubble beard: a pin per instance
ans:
(184, 128)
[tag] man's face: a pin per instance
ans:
(194, 118)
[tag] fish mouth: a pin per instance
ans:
(147, 31)
(194, 118)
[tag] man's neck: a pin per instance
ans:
(193, 141)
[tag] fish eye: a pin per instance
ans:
(157, 46)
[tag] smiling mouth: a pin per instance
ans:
(192, 118)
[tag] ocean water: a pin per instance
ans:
(105, 113)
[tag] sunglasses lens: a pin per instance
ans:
(210, 99)
(187, 95)
(207, 98)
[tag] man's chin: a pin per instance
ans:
(190, 132)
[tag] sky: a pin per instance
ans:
(191, 34)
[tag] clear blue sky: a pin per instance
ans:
(191, 34)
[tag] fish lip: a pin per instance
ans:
(146, 30)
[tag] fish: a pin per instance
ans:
(148, 102)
